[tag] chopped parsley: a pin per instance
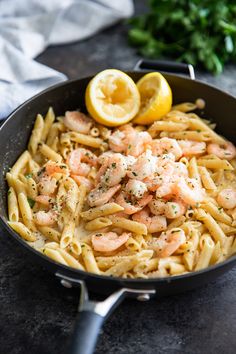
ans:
(29, 175)
(31, 202)
(42, 170)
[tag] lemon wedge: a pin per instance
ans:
(156, 98)
(112, 98)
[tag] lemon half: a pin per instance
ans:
(112, 98)
(156, 98)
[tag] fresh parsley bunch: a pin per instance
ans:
(199, 32)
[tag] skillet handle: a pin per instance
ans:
(92, 314)
(165, 66)
(86, 332)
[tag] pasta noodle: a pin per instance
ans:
(13, 210)
(128, 202)
(36, 134)
(103, 210)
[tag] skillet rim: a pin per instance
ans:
(84, 274)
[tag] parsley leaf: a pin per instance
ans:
(197, 32)
(31, 202)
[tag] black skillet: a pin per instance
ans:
(14, 134)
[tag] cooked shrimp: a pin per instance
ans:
(135, 188)
(190, 147)
(168, 242)
(80, 161)
(101, 195)
(52, 167)
(104, 157)
(47, 185)
(139, 143)
(171, 209)
(189, 190)
(224, 151)
(109, 241)
(45, 218)
(180, 169)
(154, 223)
(144, 166)
(113, 170)
(161, 181)
(121, 137)
(227, 198)
(78, 122)
(132, 206)
(84, 181)
(126, 139)
(44, 200)
(165, 146)
(174, 209)
(108, 159)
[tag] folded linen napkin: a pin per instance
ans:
(27, 27)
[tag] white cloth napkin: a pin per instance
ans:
(27, 27)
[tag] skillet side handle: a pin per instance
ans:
(165, 66)
(86, 332)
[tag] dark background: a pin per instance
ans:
(37, 313)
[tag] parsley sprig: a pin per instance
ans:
(199, 32)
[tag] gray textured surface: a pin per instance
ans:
(37, 314)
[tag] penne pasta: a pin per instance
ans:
(13, 211)
(86, 140)
(104, 210)
(167, 126)
(48, 121)
(98, 223)
(49, 153)
(22, 230)
(89, 259)
(206, 178)
(55, 255)
(193, 169)
(26, 212)
(129, 225)
(20, 163)
(206, 253)
(36, 134)
(188, 135)
(184, 107)
(67, 233)
(81, 200)
(214, 229)
(217, 213)
(50, 233)
(70, 260)
(123, 201)
(15, 183)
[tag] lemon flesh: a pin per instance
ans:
(156, 98)
(112, 98)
